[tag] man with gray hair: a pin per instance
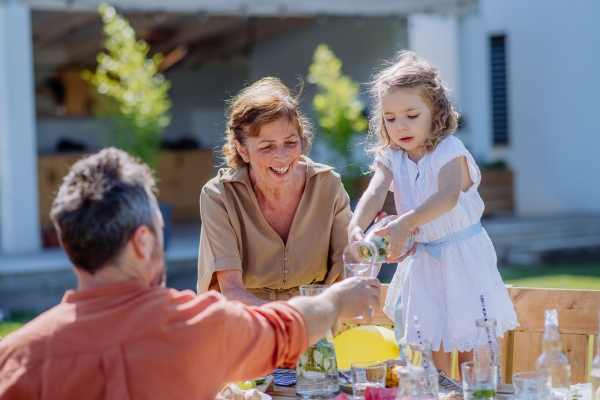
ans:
(122, 334)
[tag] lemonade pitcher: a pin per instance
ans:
(382, 242)
(316, 371)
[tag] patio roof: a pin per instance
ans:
(265, 8)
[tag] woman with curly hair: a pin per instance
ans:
(274, 220)
(434, 179)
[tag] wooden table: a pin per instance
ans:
(505, 392)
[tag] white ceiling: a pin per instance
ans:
(286, 8)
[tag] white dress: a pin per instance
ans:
(444, 294)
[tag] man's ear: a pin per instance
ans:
(142, 242)
(242, 151)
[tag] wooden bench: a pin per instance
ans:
(578, 322)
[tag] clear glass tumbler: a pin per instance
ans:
(358, 262)
(366, 374)
(480, 380)
(316, 371)
(525, 385)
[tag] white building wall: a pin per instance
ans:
(553, 57)
(435, 38)
(19, 213)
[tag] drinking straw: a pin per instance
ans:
(418, 329)
(487, 331)
(423, 358)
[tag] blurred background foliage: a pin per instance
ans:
(339, 111)
(133, 98)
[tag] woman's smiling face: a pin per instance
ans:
(273, 155)
(407, 120)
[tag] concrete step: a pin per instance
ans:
(549, 240)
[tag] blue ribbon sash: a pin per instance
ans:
(435, 251)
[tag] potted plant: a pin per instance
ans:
(496, 188)
(133, 102)
(339, 115)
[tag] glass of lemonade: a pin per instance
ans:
(316, 371)
(366, 374)
(525, 384)
(480, 380)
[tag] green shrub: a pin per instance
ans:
(132, 95)
(338, 108)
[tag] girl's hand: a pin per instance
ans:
(398, 231)
(355, 234)
(412, 250)
(380, 216)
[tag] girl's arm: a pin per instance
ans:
(450, 184)
(370, 203)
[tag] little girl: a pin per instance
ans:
(434, 179)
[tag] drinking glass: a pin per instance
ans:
(480, 380)
(357, 261)
(366, 374)
(525, 385)
(316, 370)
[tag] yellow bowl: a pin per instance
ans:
(365, 343)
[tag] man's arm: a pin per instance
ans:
(256, 340)
(348, 298)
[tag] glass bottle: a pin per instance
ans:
(382, 243)
(595, 371)
(552, 366)
(430, 381)
(316, 370)
(410, 386)
(487, 348)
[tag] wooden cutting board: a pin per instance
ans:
(267, 385)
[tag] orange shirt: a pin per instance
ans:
(131, 341)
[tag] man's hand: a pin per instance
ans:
(354, 296)
(349, 298)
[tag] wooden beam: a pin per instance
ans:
(50, 27)
(244, 37)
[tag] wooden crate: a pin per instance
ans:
(180, 175)
(79, 98)
(496, 190)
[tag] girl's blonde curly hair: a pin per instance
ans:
(409, 71)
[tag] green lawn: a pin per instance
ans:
(578, 276)
(17, 321)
